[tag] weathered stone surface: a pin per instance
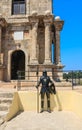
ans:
(5, 102)
(39, 28)
(1, 121)
(40, 7)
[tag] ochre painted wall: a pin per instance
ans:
(63, 100)
(14, 108)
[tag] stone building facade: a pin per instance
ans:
(28, 29)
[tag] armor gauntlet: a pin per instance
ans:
(38, 84)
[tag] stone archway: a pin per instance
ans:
(17, 64)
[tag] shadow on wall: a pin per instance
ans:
(55, 102)
(59, 103)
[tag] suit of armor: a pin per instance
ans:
(45, 82)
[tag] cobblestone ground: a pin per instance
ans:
(58, 120)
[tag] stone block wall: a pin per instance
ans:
(37, 35)
(5, 8)
(40, 6)
(9, 45)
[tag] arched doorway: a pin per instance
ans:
(17, 64)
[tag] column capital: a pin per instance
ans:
(59, 25)
(33, 19)
(48, 19)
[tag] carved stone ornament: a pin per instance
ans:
(58, 25)
(2, 22)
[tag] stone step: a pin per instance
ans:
(4, 107)
(5, 100)
(6, 94)
(27, 84)
(14, 84)
(3, 114)
(1, 121)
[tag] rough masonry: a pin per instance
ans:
(28, 29)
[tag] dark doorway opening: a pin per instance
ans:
(17, 64)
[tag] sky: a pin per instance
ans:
(71, 36)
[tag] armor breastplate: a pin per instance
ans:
(45, 81)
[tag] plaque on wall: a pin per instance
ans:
(18, 35)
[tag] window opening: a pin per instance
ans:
(18, 7)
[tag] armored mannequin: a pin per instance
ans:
(47, 87)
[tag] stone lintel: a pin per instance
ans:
(59, 24)
(48, 67)
(16, 26)
(46, 18)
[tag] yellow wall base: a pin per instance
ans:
(28, 101)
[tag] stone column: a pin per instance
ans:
(34, 43)
(58, 27)
(57, 46)
(0, 42)
(47, 44)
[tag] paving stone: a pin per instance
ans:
(5, 101)
(1, 121)
(63, 120)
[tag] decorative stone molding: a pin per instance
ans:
(34, 13)
(48, 12)
(3, 22)
(57, 18)
(33, 19)
(58, 25)
(48, 19)
(18, 27)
